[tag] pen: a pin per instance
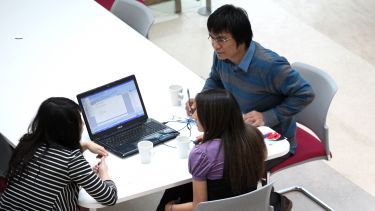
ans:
(188, 95)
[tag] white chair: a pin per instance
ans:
(135, 14)
(257, 200)
(310, 146)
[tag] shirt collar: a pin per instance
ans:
(246, 60)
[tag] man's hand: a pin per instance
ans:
(190, 106)
(254, 118)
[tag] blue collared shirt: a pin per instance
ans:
(265, 82)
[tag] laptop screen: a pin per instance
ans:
(111, 106)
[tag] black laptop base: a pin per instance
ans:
(131, 148)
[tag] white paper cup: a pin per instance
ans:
(176, 94)
(183, 146)
(145, 151)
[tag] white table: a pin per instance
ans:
(71, 46)
(62, 48)
(166, 170)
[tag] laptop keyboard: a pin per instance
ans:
(135, 134)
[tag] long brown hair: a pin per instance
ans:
(244, 148)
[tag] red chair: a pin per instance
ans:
(3, 183)
(108, 3)
(312, 132)
(6, 151)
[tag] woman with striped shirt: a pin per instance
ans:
(47, 167)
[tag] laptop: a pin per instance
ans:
(116, 117)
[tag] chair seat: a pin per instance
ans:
(308, 147)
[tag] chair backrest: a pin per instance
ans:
(6, 151)
(314, 115)
(258, 200)
(135, 14)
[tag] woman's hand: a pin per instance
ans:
(168, 206)
(94, 148)
(102, 169)
(199, 138)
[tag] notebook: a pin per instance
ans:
(116, 117)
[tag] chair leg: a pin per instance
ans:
(308, 194)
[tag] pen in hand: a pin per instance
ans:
(189, 102)
(190, 106)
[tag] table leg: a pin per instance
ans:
(177, 6)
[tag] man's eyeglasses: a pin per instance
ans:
(219, 40)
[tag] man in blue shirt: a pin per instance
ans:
(268, 90)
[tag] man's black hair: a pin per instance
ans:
(233, 20)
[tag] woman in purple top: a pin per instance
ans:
(229, 159)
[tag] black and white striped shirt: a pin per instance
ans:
(52, 182)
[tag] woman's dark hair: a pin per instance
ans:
(233, 20)
(58, 122)
(244, 148)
